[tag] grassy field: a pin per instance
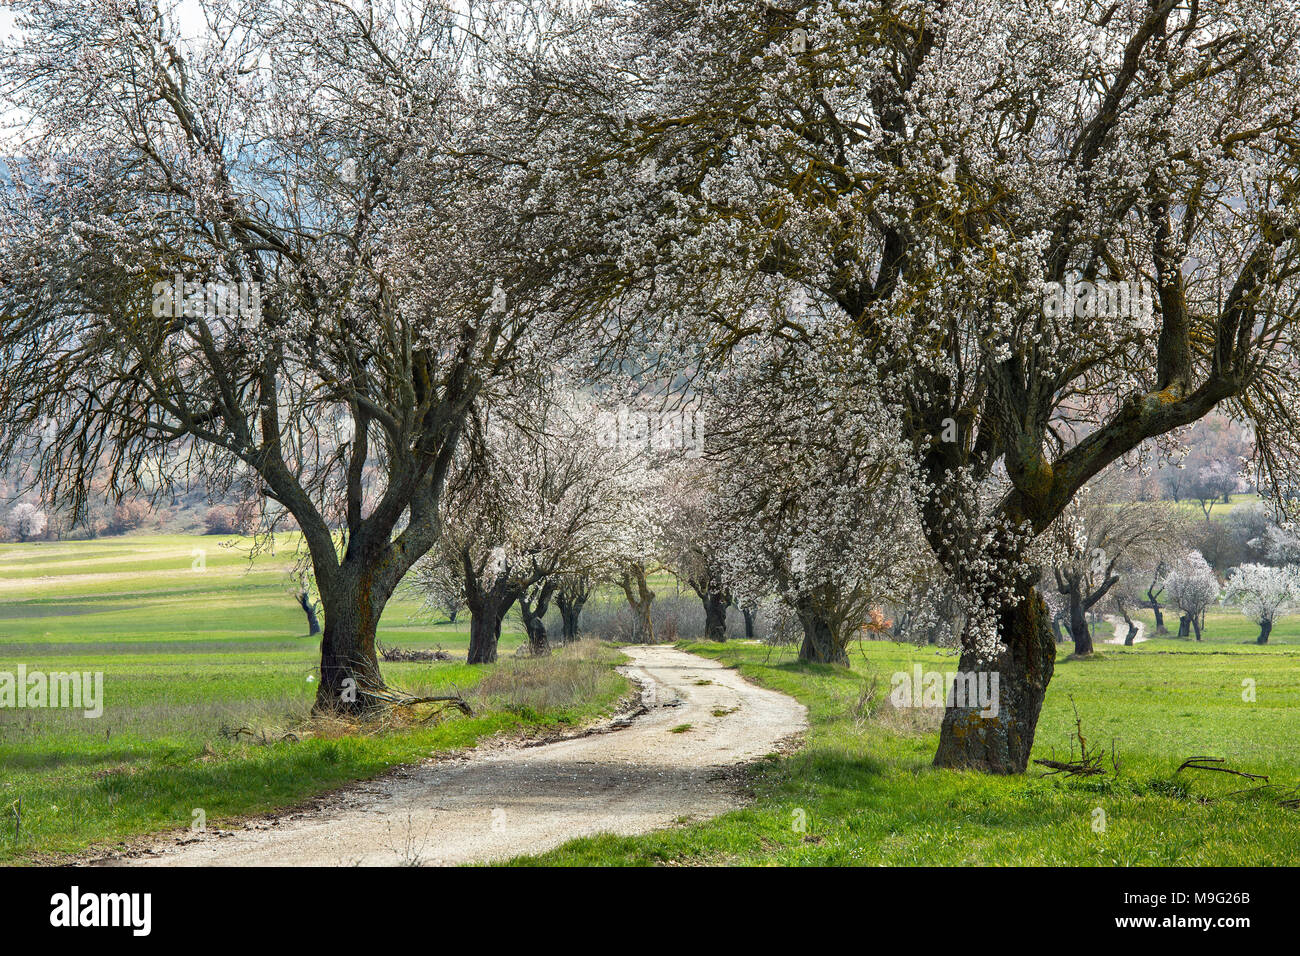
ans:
(192, 651)
(863, 790)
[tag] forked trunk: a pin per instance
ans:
(570, 606)
(977, 739)
(533, 610)
(309, 607)
(636, 588)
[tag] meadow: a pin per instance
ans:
(196, 652)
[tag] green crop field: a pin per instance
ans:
(191, 652)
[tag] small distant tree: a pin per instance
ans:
(571, 597)
(1192, 587)
(1264, 594)
(27, 521)
(1100, 539)
(304, 592)
(1281, 545)
(442, 585)
(691, 543)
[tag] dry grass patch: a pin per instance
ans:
(564, 680)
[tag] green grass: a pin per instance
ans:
(863, 791)
(190, 656)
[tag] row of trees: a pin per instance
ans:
(857, 209)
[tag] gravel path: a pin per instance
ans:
(491, 806)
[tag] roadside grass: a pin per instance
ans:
(863, 791)
(192, 658)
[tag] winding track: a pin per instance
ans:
(493, 806)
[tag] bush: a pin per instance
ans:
(127, 516)
(220, 519)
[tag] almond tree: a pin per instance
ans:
(543, 501)
(340, 196)
(1192, 587)
(1264, 594)
(1058, 230)
(692, 541)
(812, 484)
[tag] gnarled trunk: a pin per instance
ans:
(748, 615)
(1265, 628)
(1185, 625)
(533, 610)
(349, 667)
(640, 600)
(1079, 631)
(973, 740)
(570, 602)
(715, 616)
(486, 612)
(820, 645)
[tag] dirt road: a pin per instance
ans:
(493, 806)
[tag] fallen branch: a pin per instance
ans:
(396, 699)
(1089, 762)
(1073, 768)
(1204, 763)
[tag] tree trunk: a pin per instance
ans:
(1131, 633)
(570, 599)
(309, 607)
(570, 612)
(534, 614)
(485, 616)
(715, 616)
(820, 645)
(349, 667)
(1184, 625)
(748, 615)
(640, 601)
(1265, 628)
(1079, 630)
(451, 616)
(1001, 743)
(1196, 625)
